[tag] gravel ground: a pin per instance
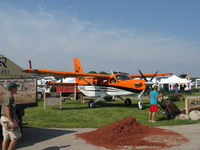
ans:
(64, 139)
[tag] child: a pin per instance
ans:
(153, 97)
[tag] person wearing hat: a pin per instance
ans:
(9, 119)
(153, 97)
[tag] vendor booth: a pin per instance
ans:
(175, 84)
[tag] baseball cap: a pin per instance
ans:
(12, 85)
(154, 86)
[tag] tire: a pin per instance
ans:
(91, 104)
(128, 102)
(71, 96)
(140, 105)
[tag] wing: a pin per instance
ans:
(150, 75)
(63, 74)
(61, 84)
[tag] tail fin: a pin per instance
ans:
(78, 69)
(77, 66)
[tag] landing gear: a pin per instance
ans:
(140, 105)
(127, 101)
(91, 104)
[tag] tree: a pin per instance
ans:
(93, 72)
(103, 72)
(118, 72)
(183, 75)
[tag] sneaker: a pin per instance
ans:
(150, 120)
(153, 121)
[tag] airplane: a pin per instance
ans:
(101, 86)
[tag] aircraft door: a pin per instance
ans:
(112, 80)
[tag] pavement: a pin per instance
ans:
(64, 139)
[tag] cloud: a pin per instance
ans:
(51, 41)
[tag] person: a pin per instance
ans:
(153, 97)
(9, 120)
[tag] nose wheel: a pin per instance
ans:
(140, 105)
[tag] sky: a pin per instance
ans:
(106, 35)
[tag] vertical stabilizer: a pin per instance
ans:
(78, 69)
(77, 66)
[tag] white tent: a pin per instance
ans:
(174, 81)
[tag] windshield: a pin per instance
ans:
(122, 77)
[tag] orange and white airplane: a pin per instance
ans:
(100, 86)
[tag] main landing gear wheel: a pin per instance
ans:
(128, 102)
(91, 104)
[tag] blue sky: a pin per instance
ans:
(118, 35)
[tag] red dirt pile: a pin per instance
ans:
(128, 133)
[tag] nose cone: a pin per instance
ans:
(149, 83)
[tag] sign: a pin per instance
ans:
(192, 103)
(9, 69)
(26, 93)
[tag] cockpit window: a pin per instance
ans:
(122, 77)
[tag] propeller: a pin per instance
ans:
(30, 64)
(148, 82)
(153, 76)
(143, 75)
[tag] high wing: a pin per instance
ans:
(61, 84)
(63, 74)
(149, 75)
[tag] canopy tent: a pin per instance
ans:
(175, 83)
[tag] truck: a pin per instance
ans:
(69, 91)
(53, 88)
(42, 86)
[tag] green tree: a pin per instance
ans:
(183, 75)
(118, 72)
(93, 72)
(103, 72)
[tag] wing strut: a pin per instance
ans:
(104, 94)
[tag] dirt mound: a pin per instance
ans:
(128, 133)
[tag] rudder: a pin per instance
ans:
(77, 66)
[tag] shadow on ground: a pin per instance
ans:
(103, 104)
(32, 136)
(56, 147)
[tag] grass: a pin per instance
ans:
(78, 115)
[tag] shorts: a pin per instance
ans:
(12, 134)
(153, 108)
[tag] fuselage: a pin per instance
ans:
(117, 85)
(97, 91)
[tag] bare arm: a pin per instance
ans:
(159, 96)
(8, 115)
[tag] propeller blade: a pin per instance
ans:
(30, 64)
(153, 76)
(143, 75)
